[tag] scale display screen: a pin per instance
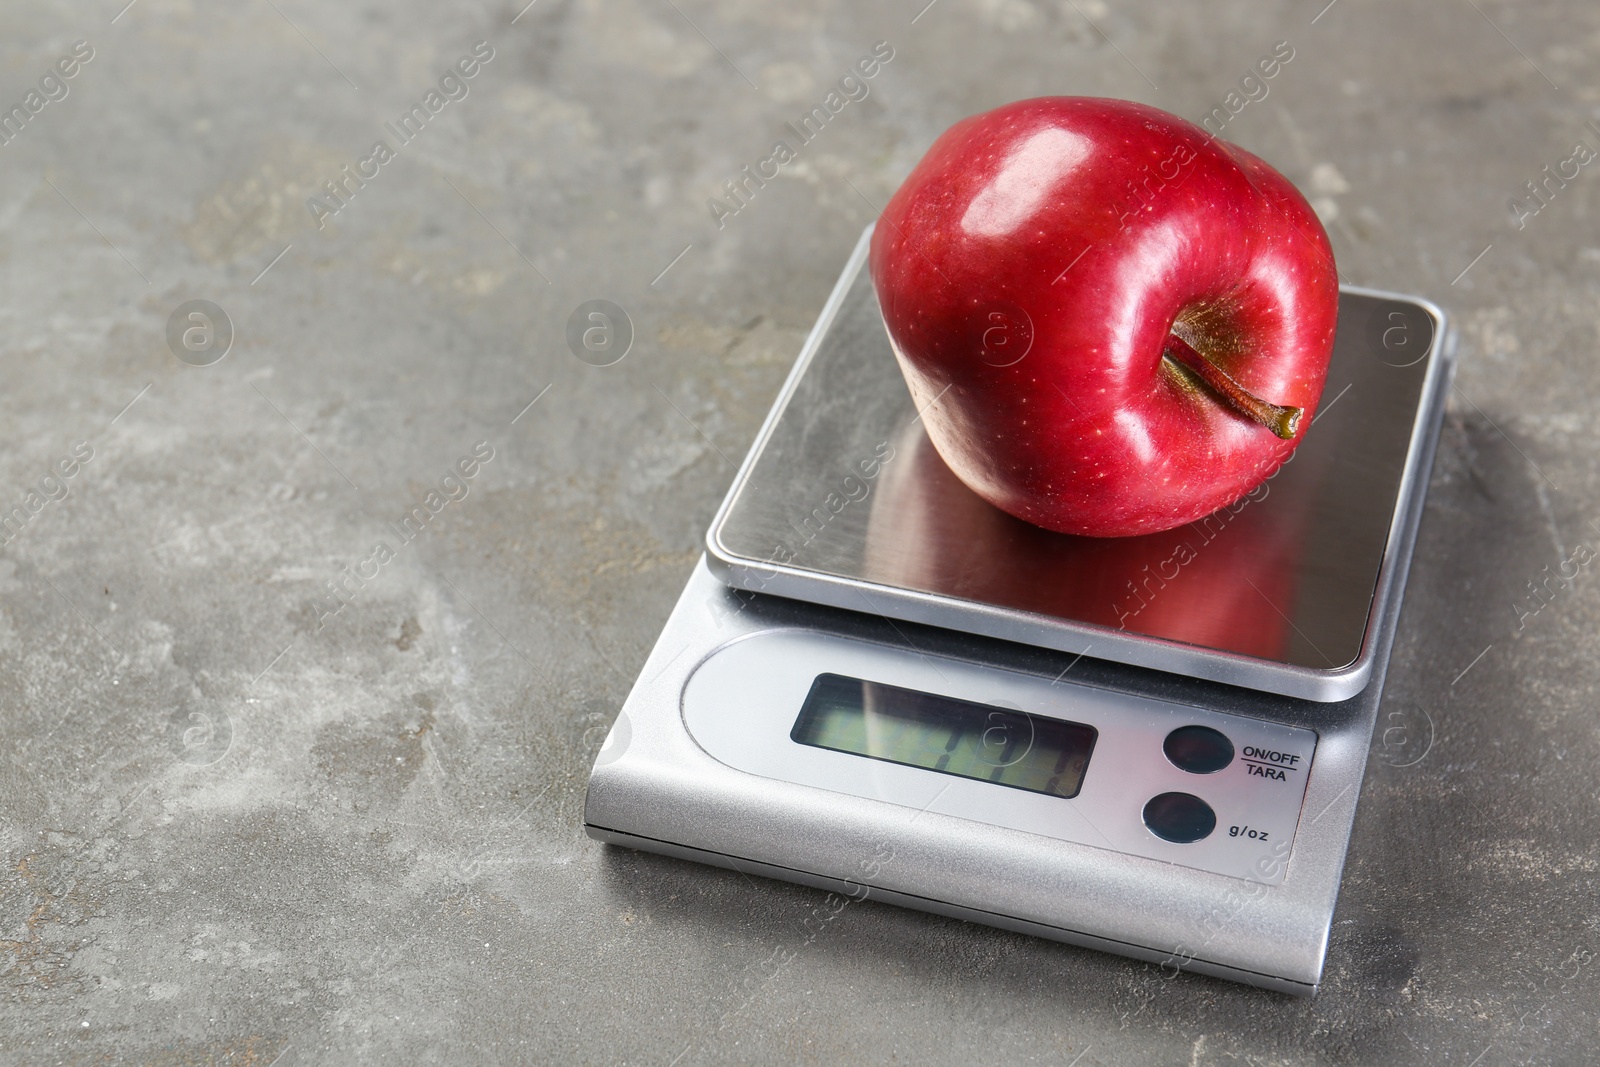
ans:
(939, 733)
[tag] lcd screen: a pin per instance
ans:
(939, 733)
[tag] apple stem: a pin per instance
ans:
(1280, 420)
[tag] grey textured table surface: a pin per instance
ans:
(239, 826)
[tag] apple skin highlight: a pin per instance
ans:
(1032, 271)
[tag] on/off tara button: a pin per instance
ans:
(1198, 749)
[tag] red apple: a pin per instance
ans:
(1113, 322)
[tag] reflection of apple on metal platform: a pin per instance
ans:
(1203, 584)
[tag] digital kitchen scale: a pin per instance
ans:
(878, 684)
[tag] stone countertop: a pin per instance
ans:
(273, 795)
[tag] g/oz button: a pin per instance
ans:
(1198, 749)
(1179, 817)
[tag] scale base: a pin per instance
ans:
(859, 892)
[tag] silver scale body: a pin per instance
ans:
(700, 764)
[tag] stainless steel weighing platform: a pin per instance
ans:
(877, 684)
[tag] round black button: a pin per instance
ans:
(1198, 749)
(1179, 817)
